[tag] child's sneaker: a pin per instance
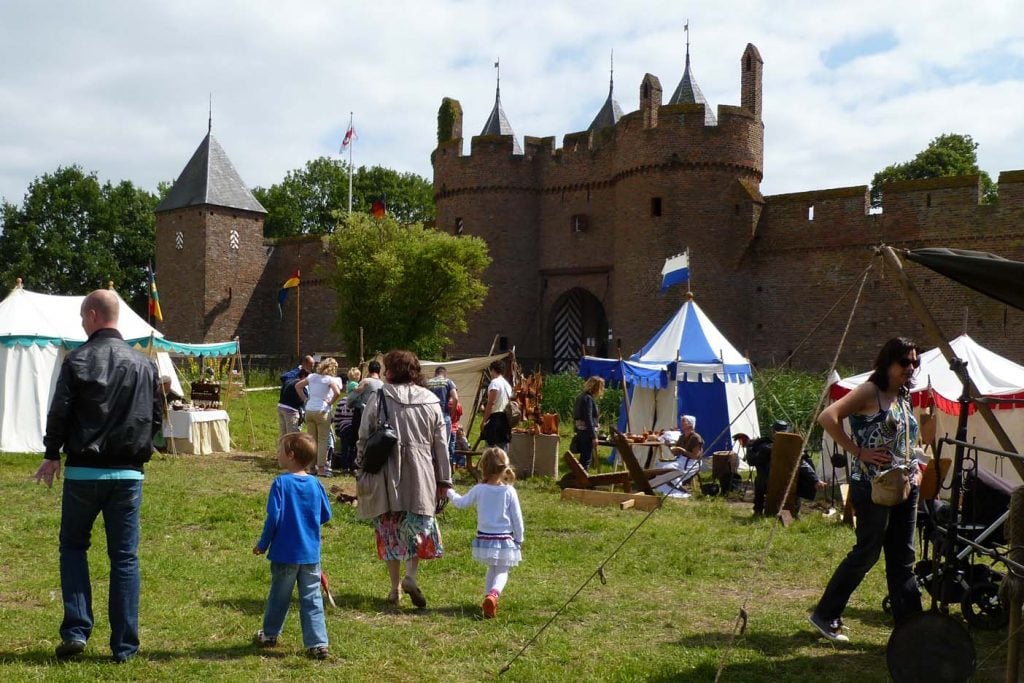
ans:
(264, 640)
(490, 605)
(319, 652)
(833, 630)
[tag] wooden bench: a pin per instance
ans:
(633, 476)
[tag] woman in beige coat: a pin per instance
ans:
(402, 498)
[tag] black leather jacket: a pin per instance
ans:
(107, 406)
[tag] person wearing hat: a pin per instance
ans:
(759, 456)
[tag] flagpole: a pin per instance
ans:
(298, 316)
(350, 144)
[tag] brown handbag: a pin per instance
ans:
(892, 486)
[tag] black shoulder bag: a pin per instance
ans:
(381, 442)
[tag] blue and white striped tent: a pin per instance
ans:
(704, 376)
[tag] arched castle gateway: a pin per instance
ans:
(578, 235)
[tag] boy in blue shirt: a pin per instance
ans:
(296, 508)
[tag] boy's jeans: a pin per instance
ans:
(283, 577)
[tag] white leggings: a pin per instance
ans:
(497, 577)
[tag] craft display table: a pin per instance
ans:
(653, 449)
(534, 454)
(198, 432)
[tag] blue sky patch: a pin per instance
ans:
(858, 46)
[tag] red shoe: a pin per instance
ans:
(490, 606)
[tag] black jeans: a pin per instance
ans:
(585, 442)
(888, 529)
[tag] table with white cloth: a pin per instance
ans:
(198, 432)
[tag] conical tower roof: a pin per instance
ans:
(610, 112)
(210, 178)
(688, 92)
(497, 122)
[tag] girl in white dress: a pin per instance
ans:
(499, 524)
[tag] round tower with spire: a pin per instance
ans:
(578, 234)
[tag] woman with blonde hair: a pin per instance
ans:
(586, 416)
(324, 391)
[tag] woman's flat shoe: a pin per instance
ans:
(415, 594)
(393, 597)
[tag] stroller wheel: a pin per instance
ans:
(981, 607)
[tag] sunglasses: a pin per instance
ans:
(907, 362)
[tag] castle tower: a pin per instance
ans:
(610, 112)
(688, 92)
(497, 122)
(209, 248)
(751, 66)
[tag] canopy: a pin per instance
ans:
(989, 274)
(465, 373)
(688, 367)
(937, 385)
(33, 318)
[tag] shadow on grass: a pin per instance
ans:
(774, 658)
(247, 605)
(45, 658)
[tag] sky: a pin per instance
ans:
(122, 87)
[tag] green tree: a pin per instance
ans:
(72, 235)
(406, 286)
(951, 154)
(310, 200)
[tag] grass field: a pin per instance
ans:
(664, 613)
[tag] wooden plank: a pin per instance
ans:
(632, 466)
(626, 504)
(786, 450)
(608, 498)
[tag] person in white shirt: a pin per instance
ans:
(496, 430)
(324, 389)
(499, 523)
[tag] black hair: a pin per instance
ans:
(373, 366)
(891, 352)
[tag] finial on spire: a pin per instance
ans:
(611, 74)
(686, 30)
(209, 121)
(17, 283)
(497, 68)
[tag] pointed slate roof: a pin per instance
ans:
(610, 112)
(210, 178)
(497, 123)
(688, 92)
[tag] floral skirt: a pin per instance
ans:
(405, 535)
(496, 550)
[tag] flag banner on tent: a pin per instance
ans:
(154, 298)
(282, 294)
(350, 136)
(676, 271)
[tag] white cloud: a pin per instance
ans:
(121, 87)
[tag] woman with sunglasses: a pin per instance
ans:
(883, 427)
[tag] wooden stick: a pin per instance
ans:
(932, 329)
(476, 396)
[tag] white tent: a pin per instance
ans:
(936, 385)
(701, 374)
(36, 330)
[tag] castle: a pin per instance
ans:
(579, 234)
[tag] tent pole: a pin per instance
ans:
(476, 396)
(167, 414)
(245, 395)
(932, 329)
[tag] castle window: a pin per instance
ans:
(579, 222)
(655, 206)
(748, 62)
(928, 200)
(736, 209)
(810, 212)
(459, 226)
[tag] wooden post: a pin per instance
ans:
(362, 357)
(476, 395)
(786, 450)
(298, 317)
(933, 331)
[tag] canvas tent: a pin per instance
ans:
(937, 385)
(687, 368)
(36, 331)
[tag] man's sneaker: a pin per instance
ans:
(490, 605)
(264, 640)
(69, 649)
(319, 652)
(833, 630)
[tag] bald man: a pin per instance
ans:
(105, 410)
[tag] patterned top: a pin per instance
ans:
(885, 429)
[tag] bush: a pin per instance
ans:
(561, 390)
(790, 395)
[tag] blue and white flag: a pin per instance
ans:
(676, 270)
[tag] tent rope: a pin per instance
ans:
(741, 618)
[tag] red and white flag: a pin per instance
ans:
(350, 135)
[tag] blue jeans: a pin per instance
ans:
(119, 501)
(878, 528)
(283, 578)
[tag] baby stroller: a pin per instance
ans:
(971, 583)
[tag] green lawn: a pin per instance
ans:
(666, 611)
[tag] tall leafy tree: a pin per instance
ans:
(951, 154)
(71, 235)
(405, 285)
(311, 200)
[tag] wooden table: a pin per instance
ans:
(199, 432)
(649, 445)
